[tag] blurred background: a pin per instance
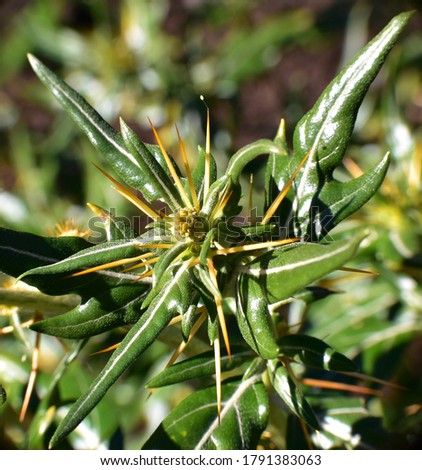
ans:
(255, 62)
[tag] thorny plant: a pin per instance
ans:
(196, 264)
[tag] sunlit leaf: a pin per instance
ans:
(202, 365)
(291, 395)
(21, 251)
(134, 169)
(174, 299)
(254, 319)
(315, 353)
(193, 424)
(325, 131)
(291, 268)
(107, 310)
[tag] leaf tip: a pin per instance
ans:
(122, 123)
(34, 62)
(32, 59)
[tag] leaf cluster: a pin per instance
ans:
(208, 269)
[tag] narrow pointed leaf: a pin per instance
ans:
(276, 163)
(54, 278)
(337, 201)
(193, 424)
(220, 186)
(21, 251)
(202, 365)
(166, 259)
(174, 299)
(325, 131)
(327, 128)
(291, 268)
(315, 353)
(254, 319)
(116, 307)
(290, 394)
(189, 318)
(96, 255)
(160, 183)
(109, 142)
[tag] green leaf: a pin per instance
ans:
(32, 300)
(193, 424)
(202, 365)
(174, 299)
(166, 259)
(54, 279)
(115, 307)
(315, 353)
(254, 319)
(213, 197)
(248, 153)
(325, 132)
(291, 268)
(152, 171)
(21, 251)
(291, 395)
(337, 201)
(276, 165)
(135, 169)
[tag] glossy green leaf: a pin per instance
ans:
(315, 353)
(21, 251)
(291, 395)
(151, 170)
(327, 128)
(254, 319)
(325, 132)
(103, 312)
(160, 270)
(337, 201)
(189, 318)
(291, 268)
(248, 153)
(202, 365)
(193, 424)
(166, 259)
(276, 165)
(174, 299)
(134, 169)
(56, 279)
(213, 197)
(242, 234)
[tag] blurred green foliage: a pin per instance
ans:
(255, 62)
